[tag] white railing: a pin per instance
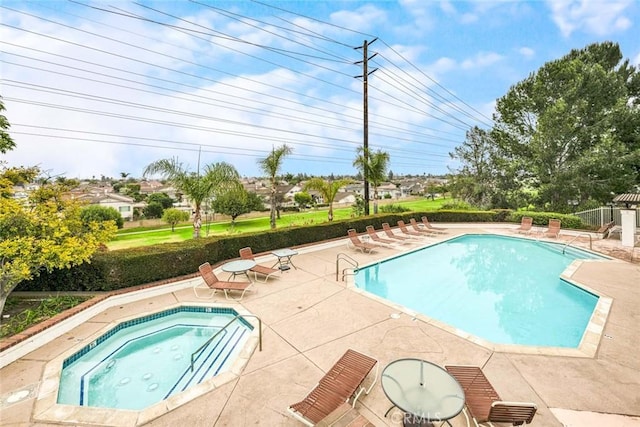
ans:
(604, 215)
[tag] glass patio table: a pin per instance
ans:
(241, 266)
(284, 258)
(424, 391)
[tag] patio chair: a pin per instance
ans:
(214, 284)
(342, 383)
(605, 230)
(263, 270)
(525, 225)
(373, 235)
(390, 234)
(355, 242)
(426, 223)
(403, 228)
(483, 402)
(416, 227)
(554, 229)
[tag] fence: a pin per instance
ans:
(604, 215)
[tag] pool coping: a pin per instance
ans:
(591, 338)
(46, 408)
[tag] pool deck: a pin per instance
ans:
(310, 319)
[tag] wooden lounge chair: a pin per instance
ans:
(214, 284)
(373, 235)
(483, 402)
(525, 225)
(426, 223)
(247, 253)
(390, 234)
(554, 229)
(416, 227)
(343, 382)
(605, 230)
(355, 242)
(403, 228)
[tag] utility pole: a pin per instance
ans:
(365, 110)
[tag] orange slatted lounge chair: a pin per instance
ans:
(355, 242)
(554, 228)
(605, 230)
(343, 382)
(426, 223)
(416, 227)
(247, 253)
(373, 235)
(214, 284)
(483, 402)
(525, 225)
(403, 228)
(387, 230)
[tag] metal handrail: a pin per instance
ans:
(224, 328)
(347, 258)
(575, 238)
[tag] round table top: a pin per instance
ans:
(238, 266)
(422, 389)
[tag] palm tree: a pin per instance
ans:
(271, 166)
(376, 170)
(216, 178)
(328, 190)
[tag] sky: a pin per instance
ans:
(104, 88)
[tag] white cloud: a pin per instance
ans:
(480, 60)
(468, 18)
(442, 65)
(421, 12)
(590, 16)
(636, 61)
(527, 52)
(464, 18)
(448, 8)
(364, 18)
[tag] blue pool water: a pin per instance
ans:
(146, 360)
(505, 290)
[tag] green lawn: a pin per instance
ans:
(133, 237)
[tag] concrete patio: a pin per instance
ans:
(310, 319)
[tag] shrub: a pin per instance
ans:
(542, 218)
(457, 205)
(99, 213)
(391, 208)
(173, 216)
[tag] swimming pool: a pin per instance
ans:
(502, 289)
(148, 359)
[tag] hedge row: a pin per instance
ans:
(130, 267)
(542, 218)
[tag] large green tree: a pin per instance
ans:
(162, 198)
(197, 186)
(236, 201)
(476, 180)
(571, 130)
(6, 143)
(327, 189)
(376, 164)
(43, 233)
(271, 166)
